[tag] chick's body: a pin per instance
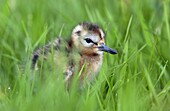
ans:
(84, 51)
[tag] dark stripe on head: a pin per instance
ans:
(91, 27)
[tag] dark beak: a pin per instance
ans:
(102, 47)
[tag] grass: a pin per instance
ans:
(136, 79)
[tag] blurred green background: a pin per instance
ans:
(136, 79)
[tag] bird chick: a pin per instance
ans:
(84, 51)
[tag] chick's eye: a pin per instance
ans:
(88, 40)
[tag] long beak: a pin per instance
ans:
(104, 48)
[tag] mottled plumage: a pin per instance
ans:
(83, 50)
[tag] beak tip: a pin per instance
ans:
(113, 52)
(102, 47)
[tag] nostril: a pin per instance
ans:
(100, 44)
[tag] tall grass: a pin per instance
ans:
(136, 79)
